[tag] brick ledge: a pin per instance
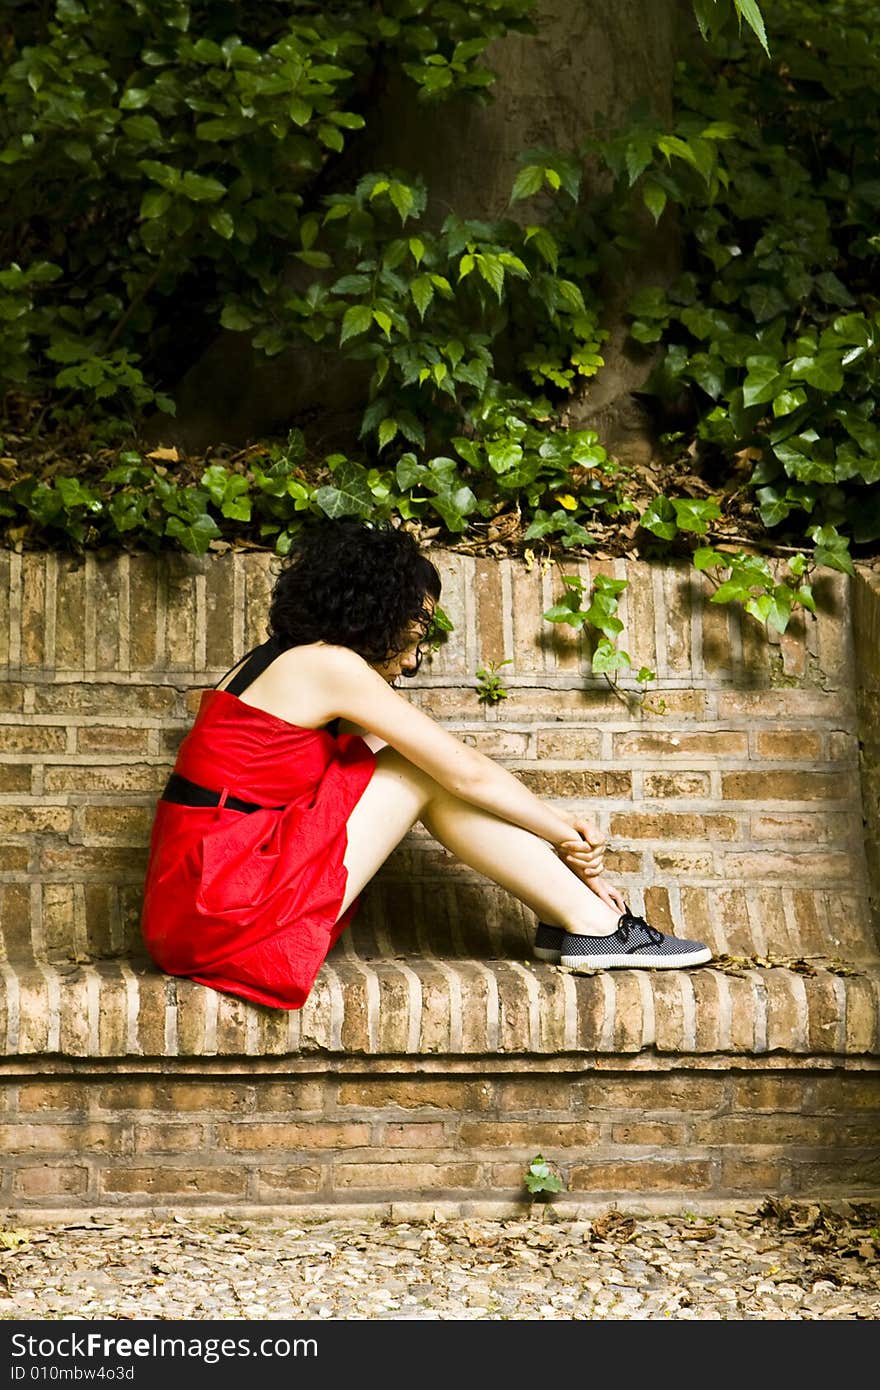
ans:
(428, 1008)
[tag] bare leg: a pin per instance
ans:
(399, 794)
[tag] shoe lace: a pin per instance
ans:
(629, 922)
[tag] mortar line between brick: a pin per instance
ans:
(534, 1003)
(13, 1008)
(725, 1010)
(93, 995)
(212, 1007)
(90, 617)
(132, 1006)
(201, 622)
(50, 611)
(696, 602)
(15, 610)
(799, 993)
(734, 632)
(645, 983)
(117, 930)
(688, 1012)
(422, 937)
(838, 986)
(125, 612)
(162, 615)
(371, 989)
(414, 991)
(759, 1011)
(453, 984)
(252, 1033)
(53, 1007)
(170, 1037)
(757, 929)
(570, 1018)
(875, 984)
(237, 605)
(659, 621)
(294, 1030)
(38, 931)
(454, 918)
(80, 926)
(609, 994)
(548, 653)
(507, 609)
(472, 636)
(337, 1006)
(492, 1010)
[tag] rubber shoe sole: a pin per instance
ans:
(548, 942)
(635, 945)
(634, 948)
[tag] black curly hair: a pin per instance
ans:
(356, 584)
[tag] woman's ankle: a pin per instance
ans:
(602, 925)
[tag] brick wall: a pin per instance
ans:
(866, 630)
(434, 1057)
(735, 813)
(410, 1144)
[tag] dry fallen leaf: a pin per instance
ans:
(614, 1225)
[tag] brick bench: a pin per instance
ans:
(435, 1057)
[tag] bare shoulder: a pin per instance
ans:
(302, 683)
(320, 682)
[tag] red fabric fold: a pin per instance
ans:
(248, 902)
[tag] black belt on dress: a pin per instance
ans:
(186, 793)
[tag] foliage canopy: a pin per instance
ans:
(168, 167)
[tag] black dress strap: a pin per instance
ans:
(254, 665)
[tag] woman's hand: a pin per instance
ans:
(586, 858)
(584, 853)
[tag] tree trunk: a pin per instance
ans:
(589, 59)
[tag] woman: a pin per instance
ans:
(275, 818)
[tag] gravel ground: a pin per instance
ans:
(785, 1261)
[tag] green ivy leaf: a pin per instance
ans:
(222, 223)
(503, 455)
(606, 658)
(763, 380)
(751, 13)
(528, 182)
(822, 371)
(201, 189)
(639, 153)
(194, 536)
(348, 495)
(422, 291)
(387, 432)
(455, 507)
(694, 514)
(655, 198)
(659, 517)
(357, 320)
(155, 203)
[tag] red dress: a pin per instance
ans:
(246, 901)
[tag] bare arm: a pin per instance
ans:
(348, 688)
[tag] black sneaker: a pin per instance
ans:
(633, 945)
(548, 942)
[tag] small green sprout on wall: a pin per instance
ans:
(608, 659)
(542, 1178)
(490, 688)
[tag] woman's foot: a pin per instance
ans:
(634, 945)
